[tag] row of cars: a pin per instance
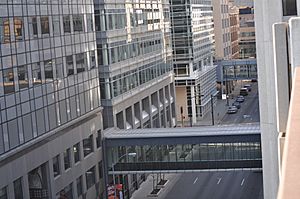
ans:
(240, 99)
(236, 105)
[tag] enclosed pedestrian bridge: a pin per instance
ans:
(223, 147)
(236, 69)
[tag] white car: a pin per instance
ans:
(232, 109)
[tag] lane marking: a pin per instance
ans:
(195, 180)
(219, 180)
(243, 181)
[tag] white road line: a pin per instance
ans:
(243, 181)
(195, 180)
(219, 180)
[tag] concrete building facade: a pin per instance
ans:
(50, 126)
(135, 70)
(222, 29)
(193, 48)
(234, 30)
(247, 33)
(135, 64)
(275, 67)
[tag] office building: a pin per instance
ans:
(234, 30)
(135, 70)
(247, 33)
(243, 3)
(222, 29)
(193, 48)
(278, 58)
(51, 124)
(135, 64)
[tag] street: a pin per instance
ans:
(249, 111)
(217, 185)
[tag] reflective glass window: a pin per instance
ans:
(18, 28)
(88, 145)
(76, 150)
(4, 30)
(70, 66)
(90, 177)
(78, 22)
(45, 25)
(36, 73)
(67, 160)
(48, 69)
(289, 7)
(79, 186)
(3, 193)
(23, 76)
(67, 25)
(59, 68)
(18, 190)
(8, 81)
(33, 30)
(80, 62)
(56, 25)
(55, 164)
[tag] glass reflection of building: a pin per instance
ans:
(49, 100)
(134, 54)
(135, 68)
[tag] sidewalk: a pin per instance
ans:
(220, 109)
(147, 186)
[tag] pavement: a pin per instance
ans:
(220, 109)
(212, 185)
(147, 186)
(218, 185)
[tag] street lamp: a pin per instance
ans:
(113, 170)
(226, 86)
(212, 108)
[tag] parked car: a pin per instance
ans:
(254, 80)
(232, 109)
(244, 91)
(237, 104)
(240, 99)
(248, 86)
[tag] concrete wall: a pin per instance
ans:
(267, 12)
(37, 154)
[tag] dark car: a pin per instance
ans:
(240, 99)
(237, 104)
(244, 91)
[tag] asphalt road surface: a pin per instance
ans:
(249, 111)
(217, 185)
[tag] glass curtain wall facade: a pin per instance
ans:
(48, 82)
(193, 48)
(135, 68)
(134, 55)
